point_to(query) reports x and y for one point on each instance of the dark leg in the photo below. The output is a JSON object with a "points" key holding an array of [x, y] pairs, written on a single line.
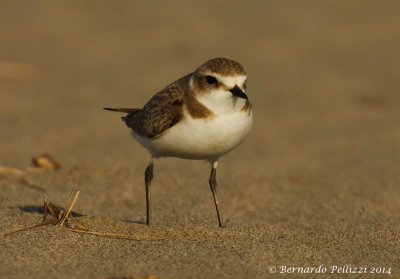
{"points": [[213, 186], [148, 176]]}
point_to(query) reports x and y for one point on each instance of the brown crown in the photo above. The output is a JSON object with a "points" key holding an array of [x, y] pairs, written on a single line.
{"points": [[222, 66]]}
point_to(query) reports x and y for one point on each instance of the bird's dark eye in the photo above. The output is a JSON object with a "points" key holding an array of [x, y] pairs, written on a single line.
{"points": [[211, 80]]}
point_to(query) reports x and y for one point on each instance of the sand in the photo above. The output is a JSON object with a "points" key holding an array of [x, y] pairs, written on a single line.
{"points": [[315, 185]]}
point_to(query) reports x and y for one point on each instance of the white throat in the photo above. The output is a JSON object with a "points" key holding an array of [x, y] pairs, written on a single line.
{"points": [[221, 102]]}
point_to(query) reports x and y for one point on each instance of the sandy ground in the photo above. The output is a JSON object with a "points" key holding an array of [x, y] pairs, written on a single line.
{"points": [[316, 183]]}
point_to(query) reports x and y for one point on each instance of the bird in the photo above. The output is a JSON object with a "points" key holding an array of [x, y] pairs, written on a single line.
{"points": [[201, 116]]}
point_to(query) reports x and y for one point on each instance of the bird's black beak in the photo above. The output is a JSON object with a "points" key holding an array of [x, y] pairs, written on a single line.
{"points": [[236, 91]]}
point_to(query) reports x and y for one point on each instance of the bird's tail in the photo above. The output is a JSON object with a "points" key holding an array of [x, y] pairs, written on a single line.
{"points": [[126, 110], [130, 111]]}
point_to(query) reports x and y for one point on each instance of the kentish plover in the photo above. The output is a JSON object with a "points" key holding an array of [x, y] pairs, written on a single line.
{"points": [[201, 116]]}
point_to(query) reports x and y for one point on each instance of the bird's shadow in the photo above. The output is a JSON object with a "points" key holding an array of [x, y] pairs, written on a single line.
{"points": [[39, 209]]}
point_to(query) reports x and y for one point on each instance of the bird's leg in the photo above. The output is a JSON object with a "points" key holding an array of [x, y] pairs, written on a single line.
{"points": [[148, 176], [213, 186]]}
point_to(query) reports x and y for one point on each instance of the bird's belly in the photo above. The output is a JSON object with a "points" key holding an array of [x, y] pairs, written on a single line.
{"points": [[200, 138]]}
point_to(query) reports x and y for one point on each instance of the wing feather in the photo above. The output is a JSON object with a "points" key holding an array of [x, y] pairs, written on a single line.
{"points": [[163, 111]]}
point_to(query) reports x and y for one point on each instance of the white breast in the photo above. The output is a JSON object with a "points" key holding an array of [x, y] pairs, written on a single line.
{"points": [[207, 138]]}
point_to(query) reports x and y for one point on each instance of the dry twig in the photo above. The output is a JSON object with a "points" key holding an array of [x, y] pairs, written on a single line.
{"points": [[66, 215], [118, 235], [44, 207], [62, 217], [52, 221]]}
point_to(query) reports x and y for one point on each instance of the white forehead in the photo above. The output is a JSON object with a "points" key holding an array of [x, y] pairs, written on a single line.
{"points": [[231, 81]]}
